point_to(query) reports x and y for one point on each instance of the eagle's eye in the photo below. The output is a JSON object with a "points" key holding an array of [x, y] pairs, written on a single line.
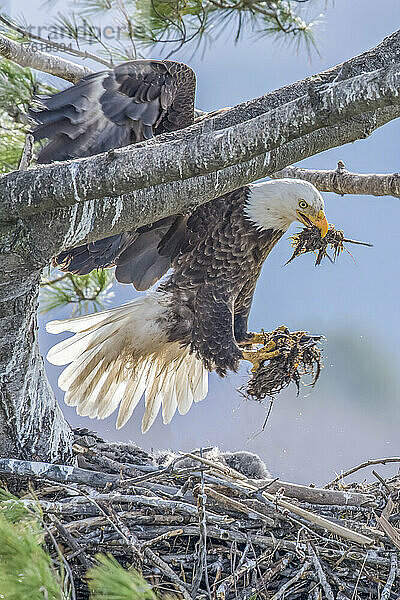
{"points": [[303, 204]]}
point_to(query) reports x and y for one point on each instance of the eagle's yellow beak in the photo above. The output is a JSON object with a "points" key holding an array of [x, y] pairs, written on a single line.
{"points": [[318, 220]]}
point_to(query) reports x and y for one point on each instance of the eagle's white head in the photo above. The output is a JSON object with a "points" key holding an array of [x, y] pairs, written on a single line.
{"points": [[276, 204]]}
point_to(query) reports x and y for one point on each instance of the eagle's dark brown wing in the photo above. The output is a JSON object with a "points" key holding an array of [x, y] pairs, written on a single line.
{"points": [[141, 257], [111, 109], [114, 108]]}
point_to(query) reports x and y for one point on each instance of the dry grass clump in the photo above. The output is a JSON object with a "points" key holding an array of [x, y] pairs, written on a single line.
{"points": [[299, 355], [330, 246]]}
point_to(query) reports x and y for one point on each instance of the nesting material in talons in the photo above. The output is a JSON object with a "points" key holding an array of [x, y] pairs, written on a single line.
{"points": [[298, 355], [310, 240]]}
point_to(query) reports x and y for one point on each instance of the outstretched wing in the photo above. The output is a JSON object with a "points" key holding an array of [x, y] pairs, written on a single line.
{"points": [[114, 108], [111, 109], [141, 257]]}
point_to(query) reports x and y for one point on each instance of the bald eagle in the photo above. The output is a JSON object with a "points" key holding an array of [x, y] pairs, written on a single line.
{"points": [[164, 343]]}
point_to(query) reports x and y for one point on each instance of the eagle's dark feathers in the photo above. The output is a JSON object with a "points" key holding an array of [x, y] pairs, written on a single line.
{"points": [[163, 343], [106, 110], [114, 108]]}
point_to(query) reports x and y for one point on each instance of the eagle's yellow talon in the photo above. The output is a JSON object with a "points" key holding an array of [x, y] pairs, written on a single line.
{"points": [[257, 357], [258, 338]]}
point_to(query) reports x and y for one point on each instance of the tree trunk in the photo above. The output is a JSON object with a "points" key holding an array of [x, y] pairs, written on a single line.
{"points": [[32, 425]]}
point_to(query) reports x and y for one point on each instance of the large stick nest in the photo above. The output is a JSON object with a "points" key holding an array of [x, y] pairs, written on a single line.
{"points": [[215, 526]]}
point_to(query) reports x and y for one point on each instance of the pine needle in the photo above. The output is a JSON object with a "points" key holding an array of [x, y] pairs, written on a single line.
{"points": [[25, 567], [109, 581]]}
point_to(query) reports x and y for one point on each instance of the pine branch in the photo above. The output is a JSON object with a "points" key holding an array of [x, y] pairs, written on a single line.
{"points": [[203, 160], [25, 56], [84, 292], [27, 35]]}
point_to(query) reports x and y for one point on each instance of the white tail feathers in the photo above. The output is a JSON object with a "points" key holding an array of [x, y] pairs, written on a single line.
{"points": [[117, 355]]}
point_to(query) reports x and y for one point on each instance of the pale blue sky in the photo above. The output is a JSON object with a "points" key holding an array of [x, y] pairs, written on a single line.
{"points": [[353, 413]]}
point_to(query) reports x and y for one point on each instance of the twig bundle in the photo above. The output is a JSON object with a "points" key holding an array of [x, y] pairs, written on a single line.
{"points": [[200, 529], [309, 240], [299, 355]]}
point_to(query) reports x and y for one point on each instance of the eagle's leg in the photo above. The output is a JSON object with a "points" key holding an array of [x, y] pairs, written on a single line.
{"points": [[256, 357], [263, 337], [258, 338]]}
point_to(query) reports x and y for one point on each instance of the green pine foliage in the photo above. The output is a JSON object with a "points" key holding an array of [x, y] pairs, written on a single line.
{"points": [[17, 84], [18, 88], [85, 293], [12, 138], [27, 570], [109, 581]]}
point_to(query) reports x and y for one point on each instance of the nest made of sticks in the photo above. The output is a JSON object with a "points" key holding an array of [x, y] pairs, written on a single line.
{"points": [[299, 355], [200, 529], [309, 240]]}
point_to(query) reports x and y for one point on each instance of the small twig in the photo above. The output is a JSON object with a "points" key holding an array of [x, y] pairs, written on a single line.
{"points": [[72, 543], [60, 47], [63, 559], [320, 572], [358, 578], [341, 181], [169, 573], [164, 536], [358, 242], [392, 533], [281, 592], [241, 569], [367, 463], [238, 506], [389, 508], [45, 282], [126, 538], [382, 481], [201, 562], [390, 580]]}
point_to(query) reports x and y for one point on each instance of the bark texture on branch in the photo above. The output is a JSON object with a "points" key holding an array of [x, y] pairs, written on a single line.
{"points": [[108, 215], [122, 171], [341, 181], [25, 56]]}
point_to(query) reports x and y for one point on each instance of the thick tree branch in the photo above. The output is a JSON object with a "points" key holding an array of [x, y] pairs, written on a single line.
{"points": [[25, 56], [384, 54], [122, 171], [99, 218], [177, 172], [341, 181]]}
